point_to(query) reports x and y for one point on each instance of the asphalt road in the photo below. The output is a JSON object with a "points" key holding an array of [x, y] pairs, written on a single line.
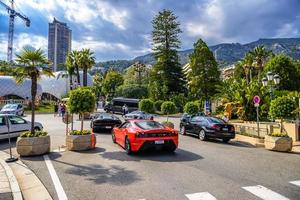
{"points": [[108, 173]]}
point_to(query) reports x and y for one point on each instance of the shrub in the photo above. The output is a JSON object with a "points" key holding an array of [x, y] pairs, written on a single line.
{"points": [[146, 105], [168, 107], [78, 132], [279, 135], [81, 100], [35, 134], [133, 91], [179, 100], [157, 105], [191, 108], [282, 108]]}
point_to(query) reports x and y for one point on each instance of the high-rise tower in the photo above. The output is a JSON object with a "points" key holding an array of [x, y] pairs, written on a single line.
{"points": [[59, 43]]}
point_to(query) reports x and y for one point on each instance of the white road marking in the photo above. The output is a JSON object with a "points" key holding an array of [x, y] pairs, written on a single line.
{"points": [[200, 196], [58, 187], [264, 193], [295, 183]]}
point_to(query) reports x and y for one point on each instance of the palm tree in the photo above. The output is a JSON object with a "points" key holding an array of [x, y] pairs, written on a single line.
{"points": [[87, 60], [72, 62], [247, 64], [260, 56], [31, 64]]}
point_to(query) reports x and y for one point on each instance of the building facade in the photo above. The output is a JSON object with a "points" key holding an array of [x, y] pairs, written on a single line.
{"points": [[59, 43]]}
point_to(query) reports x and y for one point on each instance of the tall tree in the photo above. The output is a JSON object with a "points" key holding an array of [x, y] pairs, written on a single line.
{"points": [[112, 80], [165, 35], [203, 74], [6, 68], [260, 56], [72, 62], [32, 64], [86, 62]]}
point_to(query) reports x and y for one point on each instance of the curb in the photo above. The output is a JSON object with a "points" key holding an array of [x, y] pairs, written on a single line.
{"points": [[30, 186], [15, 189]]}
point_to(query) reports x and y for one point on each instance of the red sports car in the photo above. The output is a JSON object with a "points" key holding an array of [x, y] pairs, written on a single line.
{"points": [[138, 135]]}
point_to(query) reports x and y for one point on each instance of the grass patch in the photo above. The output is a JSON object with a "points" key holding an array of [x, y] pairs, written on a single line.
{"points": [[36, 134], [43, 108]]}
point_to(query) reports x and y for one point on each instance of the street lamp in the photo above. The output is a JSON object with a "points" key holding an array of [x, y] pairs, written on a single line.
{"points": [[271, 80]]}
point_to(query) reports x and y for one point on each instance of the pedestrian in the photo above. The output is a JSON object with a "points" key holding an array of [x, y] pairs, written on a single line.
{"points": [[59, 109], [55, 109], [63, 110], [124, 110], [225, 118]]}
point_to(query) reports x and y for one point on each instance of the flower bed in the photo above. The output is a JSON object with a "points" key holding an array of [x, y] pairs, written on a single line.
{"points": [[29, 144]]}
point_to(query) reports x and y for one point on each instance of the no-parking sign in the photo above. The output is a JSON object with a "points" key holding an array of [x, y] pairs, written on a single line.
{"points": [[256, 101]]}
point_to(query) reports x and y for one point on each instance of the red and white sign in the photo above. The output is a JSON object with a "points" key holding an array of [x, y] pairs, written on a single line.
{"points": [[256, 100]]}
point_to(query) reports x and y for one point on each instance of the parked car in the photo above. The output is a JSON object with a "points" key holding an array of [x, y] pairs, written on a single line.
{"points": [[207, 127], [135, 135], [138, 115], [104, 121], [17, 125], [15, 109]]}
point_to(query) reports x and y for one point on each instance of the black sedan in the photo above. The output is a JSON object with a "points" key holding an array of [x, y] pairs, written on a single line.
{"points": [[104, 121], [207, 127]]}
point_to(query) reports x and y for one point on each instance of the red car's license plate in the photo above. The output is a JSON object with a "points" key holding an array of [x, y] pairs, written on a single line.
{"points": [[159, 142]]}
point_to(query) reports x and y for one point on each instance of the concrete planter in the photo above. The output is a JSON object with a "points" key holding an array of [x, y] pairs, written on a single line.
{"points": [[80, 142], [168, 124], [284, 144], [33, 146]]}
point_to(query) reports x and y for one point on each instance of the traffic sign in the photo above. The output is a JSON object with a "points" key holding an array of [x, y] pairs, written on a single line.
{"points": [[256, 100]]}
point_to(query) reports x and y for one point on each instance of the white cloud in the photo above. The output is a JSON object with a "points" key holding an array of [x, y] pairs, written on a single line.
{"points": [[288, 30], [21, 40], [210, 23], [117, 16], [99, 46]]}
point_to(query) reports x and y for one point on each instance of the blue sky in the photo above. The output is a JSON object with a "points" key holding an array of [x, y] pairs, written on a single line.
{"points": [[121, 29]]}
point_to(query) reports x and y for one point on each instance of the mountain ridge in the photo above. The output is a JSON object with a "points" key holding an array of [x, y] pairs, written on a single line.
{"points": [[225, 53]]}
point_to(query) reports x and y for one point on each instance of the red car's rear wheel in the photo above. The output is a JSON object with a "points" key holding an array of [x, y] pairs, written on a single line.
{"points": [[128, 146]]}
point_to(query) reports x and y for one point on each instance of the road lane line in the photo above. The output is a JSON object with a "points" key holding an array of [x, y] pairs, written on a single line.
{"points": [[200, 196], [58, 187], [295, 183], [264, 193]]}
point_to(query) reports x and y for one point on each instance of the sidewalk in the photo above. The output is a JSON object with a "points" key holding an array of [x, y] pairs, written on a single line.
{"points": [[296, 147], [9, 188], [19, 182]]}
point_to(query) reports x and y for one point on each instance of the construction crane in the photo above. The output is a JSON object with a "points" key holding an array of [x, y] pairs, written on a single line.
{"points": [[12, 13]]}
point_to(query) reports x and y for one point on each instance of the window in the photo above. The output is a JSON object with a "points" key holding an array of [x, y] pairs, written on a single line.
{"points": [[149, 125], [16, 120], [124, 125], [2, 121], [197, 119], [215, 120]]}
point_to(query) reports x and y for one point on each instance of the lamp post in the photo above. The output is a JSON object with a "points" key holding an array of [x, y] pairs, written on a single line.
{"points": [[271, 80]]}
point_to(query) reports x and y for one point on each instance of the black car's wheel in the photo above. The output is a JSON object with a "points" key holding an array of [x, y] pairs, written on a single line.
{"points": [[128, 146], [182, 130], [202, 135], [113, 137], [225, 140]]}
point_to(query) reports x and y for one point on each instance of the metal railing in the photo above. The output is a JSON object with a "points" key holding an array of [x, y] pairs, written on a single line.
{"points": [[251, 130]]}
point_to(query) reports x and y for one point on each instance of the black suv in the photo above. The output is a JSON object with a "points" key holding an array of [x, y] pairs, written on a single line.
{"points": [[206, 127]]}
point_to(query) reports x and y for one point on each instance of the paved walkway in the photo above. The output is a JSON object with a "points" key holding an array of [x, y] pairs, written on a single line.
{"points": [[5, 190]]}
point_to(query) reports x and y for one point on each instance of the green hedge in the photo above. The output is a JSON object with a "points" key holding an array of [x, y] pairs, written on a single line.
{"points": [[168, 107], [157, 105], [191, 108], [282, 108], [146, 105], [78, 132]]}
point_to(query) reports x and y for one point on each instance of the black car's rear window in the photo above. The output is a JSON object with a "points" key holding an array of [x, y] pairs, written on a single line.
{"points": [[215, 120], [149, 125], [106, 116]]}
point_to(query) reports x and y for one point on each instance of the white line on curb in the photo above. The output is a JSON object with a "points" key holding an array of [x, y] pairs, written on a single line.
{"points": [[58, 187], [295, 183], [264, 193], [200, 196], [14, 186]]}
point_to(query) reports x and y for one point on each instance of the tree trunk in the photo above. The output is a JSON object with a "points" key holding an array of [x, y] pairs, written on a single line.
{"points": [[71, 81], [33, 95], [84, 76], [82, 117], [78, 75]]}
